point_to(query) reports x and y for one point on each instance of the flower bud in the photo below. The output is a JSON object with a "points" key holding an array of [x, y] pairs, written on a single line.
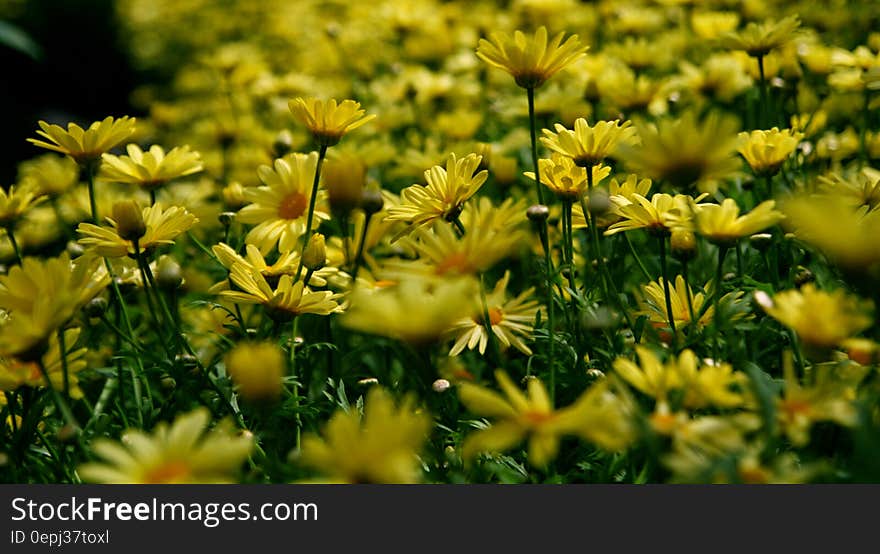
{"points": [[505, 170], [257, 369], [484, 150], [538, 213], [129, 220], [315, 255], [599, 202], [440, 385], [368, 382], [344, 178], [683, 244], [96, 307], [233, 196], [372, 201], [169, 275], [75, 249]]}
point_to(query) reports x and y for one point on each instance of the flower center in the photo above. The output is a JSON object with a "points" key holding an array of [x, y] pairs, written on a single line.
{"points": [[496, 316], [170, 472], [457, 262], [535, 418], [292, 206]]}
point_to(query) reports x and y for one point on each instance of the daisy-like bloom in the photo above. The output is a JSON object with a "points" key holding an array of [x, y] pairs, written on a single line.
{"points": [[15, 373], [598, 416], [161, 226], [531, 60], [280, 208], [416, 310], [284, 301], [328, 121], [722, 224], [382, 446], [445, 194], [40, 296], [85, 146], [766, 151], [863, 189], [15, 202], [151, 169], [285, 264], [710, 384], [49, 174], [758, 39], [829, 223], [711, 25], [587, 146], [661, 215], [619, 192], [565, 178], [825, 399], [185, 452], [685, 152], [821, 319], [256, 369], [443, 253], [650, 376], [512, 321], [655, 304]]}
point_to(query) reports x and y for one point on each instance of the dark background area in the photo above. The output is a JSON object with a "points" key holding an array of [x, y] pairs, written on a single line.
{"points": [[82, 74]]}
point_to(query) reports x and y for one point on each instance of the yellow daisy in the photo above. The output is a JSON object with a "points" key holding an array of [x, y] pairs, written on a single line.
{"points": [[381, 446], [512, 321], [285, 264], [565, 178], [280, 208], [184, 452], [14, 203], [758, 39], [586, 145], [85, 145], [662, 214], [531, 60], [15, 373], [766, 151], [151, 169], [328, 121], [445, 194], [161, 226], [722, 224]]}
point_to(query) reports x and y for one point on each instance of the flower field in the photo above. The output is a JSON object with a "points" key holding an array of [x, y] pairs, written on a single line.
{"points": [[413, 241]]}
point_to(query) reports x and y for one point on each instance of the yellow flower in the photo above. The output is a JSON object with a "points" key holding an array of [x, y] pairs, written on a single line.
{"points": [[279, 209], [85, 145], [256, 369], [15, 373], [758, 39], [662, 214], [710, 383], [619, 193], [42, 295], [445, 194], [417, 310], [14, 203], [286, 264], [328, 121], [650, 376], [655, 304], [184, 452], [587, 146], [863, 189], [829, 223], [49, 174], [711, 25], [162, 227], [685, 152], [765, 151], [530, 60], [151, 169], [821, 319], [512, 320], [379, 447], [284, 301], [561, 175], [722, 224], [826, 399], [597, 415]]}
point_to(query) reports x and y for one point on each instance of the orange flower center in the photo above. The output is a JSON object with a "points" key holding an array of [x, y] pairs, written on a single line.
{"points": [[457, 262], [292, 206], [536, 418], [170, 472], [795, 407], [496, 316]]}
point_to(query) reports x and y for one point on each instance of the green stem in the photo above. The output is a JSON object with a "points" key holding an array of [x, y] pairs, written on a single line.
{"points": [[62, 350], [152, 197], [459, 228], [293, 373], [530, 91], [487, 322], [359, 257], [763, 91], [62, 406], [664, 271], [635, 255], [322, 152], [14, 242], [716, 298], [863, 132], [690, 302], [91, 168]]}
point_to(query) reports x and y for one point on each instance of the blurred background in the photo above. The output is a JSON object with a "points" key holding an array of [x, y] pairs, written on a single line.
{"points": [[62, 60]]}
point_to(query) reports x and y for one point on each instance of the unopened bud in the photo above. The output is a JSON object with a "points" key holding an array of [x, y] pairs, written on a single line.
{"points": [[505, 169], [75, 249], [372, 201], [440, 385], [282, 144], [129, 218], [484, 150], [803, 276], [169, 275], [344, 178], [683, 244], [599, 202], [315, 255], [538, 213], [233, 196], [96, 307], [368, 382]]}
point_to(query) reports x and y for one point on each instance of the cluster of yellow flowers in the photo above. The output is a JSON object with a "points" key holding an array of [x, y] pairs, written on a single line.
{"points": [[660, 216]]}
